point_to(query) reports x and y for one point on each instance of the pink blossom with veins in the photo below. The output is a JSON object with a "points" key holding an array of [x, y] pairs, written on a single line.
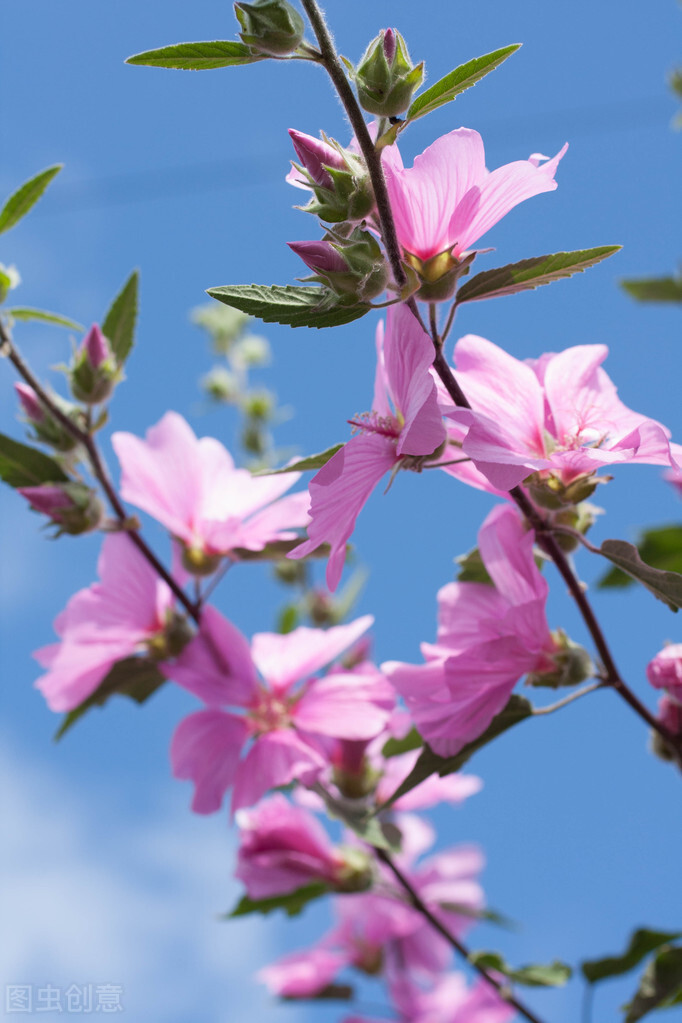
{"points": [[488, 637], [285, 713], [379, 926], [194, 489], [449, 1000], [448, 199], [665, 670], [558, 415], [403, 429], [283, 847], [110, 620]]}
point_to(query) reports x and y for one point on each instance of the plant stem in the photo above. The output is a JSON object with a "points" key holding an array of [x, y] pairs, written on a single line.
{"points": [[87, 441], [569, 699], [419, 904], [332, 64]]}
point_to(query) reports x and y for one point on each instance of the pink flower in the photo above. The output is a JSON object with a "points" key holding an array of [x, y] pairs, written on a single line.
{"points": [[670, 714], [112, 619], [194, 489], [558, 416], [284, 713], [448, 199], [488, 637], [449, 1000], [665, 671], [283, 847], [380, 927], [388, 438]]}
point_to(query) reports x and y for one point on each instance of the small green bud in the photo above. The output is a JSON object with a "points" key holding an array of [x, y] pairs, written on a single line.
{"points": [[251, 351], [356, 874], [175, 636], [385, 78], [259, 405], [9, 279], [254, 439], [73, 508], [272, 27], [572, 664], [94, 372], [579, 517], [549, 491], [221, 385], [289, 572]]}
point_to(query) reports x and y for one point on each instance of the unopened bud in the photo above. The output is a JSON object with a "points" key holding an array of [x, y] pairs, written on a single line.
{"points": [[72, 507], [579, 517], [348, 266], [291, 573], [221, 385], [338, 179], [385, 78], [356, 873], [549, 491], [568, 665], [30, 404], [45, 427], [272, 27], [320, 608], [670, 716], [316, 157], [9, 279], [94, 371], [172, 640], [259, 405]]}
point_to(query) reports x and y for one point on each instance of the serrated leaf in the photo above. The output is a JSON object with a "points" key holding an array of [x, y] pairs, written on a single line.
{"points": [[24, 466], [654, 289], [133, 676], [25, 313], [277, 550], [294, 306], [394, 747], [18, 205], [472, 569], [516, 710], [197, 56], [553, 974], [457, 81], [119, 323], [660, 548], [665, 586], [306, 464], [642, 942], [531, 273], [660, 986], [292, 902]]}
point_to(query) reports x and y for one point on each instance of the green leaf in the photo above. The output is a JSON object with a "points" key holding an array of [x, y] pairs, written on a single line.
{"points": [[336, 992], [666, 586], [24, 313], [288, 619], [305, 464], [197, 56], [24, 466], [472, 569], [18, 205], [659, 548], [134, 677], [654, 289], [642, 942], [531, 273], [292, 903], [277, 550], [394, 747], [119, 323], [553, 974], [295, 306], [457, 81], [660, 987], [516, 710], [381, 834]]}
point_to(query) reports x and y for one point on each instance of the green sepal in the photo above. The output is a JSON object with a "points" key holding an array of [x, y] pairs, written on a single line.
{"points": [[531, 273], [24, 466], [135, 677], [472, 569], [394, 747], [292, 902], [294, 306], [18, 205], [463, 77], [197, 56]]}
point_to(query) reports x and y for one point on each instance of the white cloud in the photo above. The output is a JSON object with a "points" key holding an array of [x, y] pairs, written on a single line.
{"points": [[90, 898]]}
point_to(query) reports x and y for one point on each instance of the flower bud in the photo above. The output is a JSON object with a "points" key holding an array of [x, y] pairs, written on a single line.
{"points": [[579, 517], [259, 405], [221, 385], [385, 78], [316, 157], [670, 716], [337, 177], [45, 427], [94, 371], [568, 665], [290, 573], [72, 507], [665, 671], [172, 640], [549, 490], [272, 27], [9, 279], [349, 266], [352, 773]]}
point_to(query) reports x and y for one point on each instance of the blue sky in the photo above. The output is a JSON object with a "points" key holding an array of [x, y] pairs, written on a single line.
{"points": [[181, 174]]}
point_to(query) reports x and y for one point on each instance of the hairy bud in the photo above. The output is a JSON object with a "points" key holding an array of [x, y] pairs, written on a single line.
{"points": [[94, 371], [272, 27], [385, 78], [72, 507]]}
